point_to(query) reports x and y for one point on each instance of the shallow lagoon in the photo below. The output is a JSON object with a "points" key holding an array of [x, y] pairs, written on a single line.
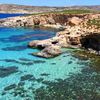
{"points": [[26, 77]]}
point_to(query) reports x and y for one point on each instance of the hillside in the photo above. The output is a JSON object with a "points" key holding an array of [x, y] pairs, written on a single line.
{"points": [[12, 8]]}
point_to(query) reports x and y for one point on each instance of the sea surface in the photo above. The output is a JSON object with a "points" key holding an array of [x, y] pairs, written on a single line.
{"points": [[26, 77], [5, 15]]}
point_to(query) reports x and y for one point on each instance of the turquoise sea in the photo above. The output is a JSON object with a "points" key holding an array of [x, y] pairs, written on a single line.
{"points": [[26, 77]]}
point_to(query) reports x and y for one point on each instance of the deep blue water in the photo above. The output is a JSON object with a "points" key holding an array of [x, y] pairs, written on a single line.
{"points": [[9, 15], [26, 77]]}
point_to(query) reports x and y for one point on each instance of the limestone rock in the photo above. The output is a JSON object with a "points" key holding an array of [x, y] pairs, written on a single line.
{"points": [[75, 21], [74, 40], [91, 41], [43, 20], [40, 44], [50, 51], [50, 20], [36, 21]]}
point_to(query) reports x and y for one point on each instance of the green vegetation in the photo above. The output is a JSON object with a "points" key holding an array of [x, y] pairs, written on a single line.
{"points": [[78, 11], [94, 59], [72, 11], [94, 22]]}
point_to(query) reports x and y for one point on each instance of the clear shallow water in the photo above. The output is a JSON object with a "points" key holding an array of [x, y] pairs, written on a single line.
{"points": [[26, 77]]}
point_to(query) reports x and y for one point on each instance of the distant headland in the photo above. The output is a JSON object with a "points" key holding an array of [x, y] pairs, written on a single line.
{"points": [[14, 8]]}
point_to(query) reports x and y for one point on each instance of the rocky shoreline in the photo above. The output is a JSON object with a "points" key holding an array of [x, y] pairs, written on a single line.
{"points": [[75, 32]]}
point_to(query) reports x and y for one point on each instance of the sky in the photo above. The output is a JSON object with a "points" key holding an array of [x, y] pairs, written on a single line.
{"points": [[51, 2]]}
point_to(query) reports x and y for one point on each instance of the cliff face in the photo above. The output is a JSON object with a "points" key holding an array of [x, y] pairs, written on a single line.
{"points": [[47, 19], [91, 41], [34, 20]]}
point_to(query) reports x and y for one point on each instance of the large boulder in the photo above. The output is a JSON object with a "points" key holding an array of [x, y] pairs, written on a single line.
{"points": [[63, 41], [33, 43], [75, 21], [50, 51], [40, 44]]}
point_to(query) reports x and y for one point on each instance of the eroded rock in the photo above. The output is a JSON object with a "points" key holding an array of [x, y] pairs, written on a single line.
{"points": [[50, 51], [75, 21], [92, 42]]}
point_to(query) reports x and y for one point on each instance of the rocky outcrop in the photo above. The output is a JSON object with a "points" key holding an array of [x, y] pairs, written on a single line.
{"points": [[50, 20], [91, 42], [49, 51], [74, 40], [17, 21], [50, 47], [40, 44], [70, 37], [75, 21], [73, 26]]}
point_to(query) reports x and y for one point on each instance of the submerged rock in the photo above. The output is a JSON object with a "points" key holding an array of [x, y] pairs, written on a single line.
{"points": [[26, 77], [15, 48], [7, 71], [39, 61], [45, 74], [12, 86]]}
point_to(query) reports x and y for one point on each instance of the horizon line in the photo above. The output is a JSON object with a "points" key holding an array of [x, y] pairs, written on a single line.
{"points": [[47, 5]]}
